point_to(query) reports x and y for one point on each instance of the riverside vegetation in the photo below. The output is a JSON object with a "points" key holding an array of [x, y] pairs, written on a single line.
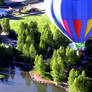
{"points": [[36, 46]]}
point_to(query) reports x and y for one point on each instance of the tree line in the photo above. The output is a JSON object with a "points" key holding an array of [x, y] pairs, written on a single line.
{"points": [[36, 47], [32, 42]]}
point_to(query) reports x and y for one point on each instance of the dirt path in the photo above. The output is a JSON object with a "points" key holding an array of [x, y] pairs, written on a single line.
{"points": [[40, 79]]}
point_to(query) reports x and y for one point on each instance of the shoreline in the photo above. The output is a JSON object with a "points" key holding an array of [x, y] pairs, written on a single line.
{"points": [[36, 78]]}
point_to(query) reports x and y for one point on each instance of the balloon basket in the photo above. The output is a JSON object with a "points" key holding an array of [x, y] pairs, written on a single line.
{"points": [[79, 47]]}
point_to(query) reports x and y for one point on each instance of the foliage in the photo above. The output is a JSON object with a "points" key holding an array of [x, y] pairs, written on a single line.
{"points": [[6, 54], [32, 51], [61, 52], [71, 57], [57, 67], [39, 65], [78, 82], [28, 39], [59, 38], [42, 46], [5, 25], [21, 45], [47, 35], [72, 75], [34, 33], [26, 50], [46, 41]]}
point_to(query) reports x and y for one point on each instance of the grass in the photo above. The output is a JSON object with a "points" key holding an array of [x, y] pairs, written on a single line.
{"points": [[40, 19]]}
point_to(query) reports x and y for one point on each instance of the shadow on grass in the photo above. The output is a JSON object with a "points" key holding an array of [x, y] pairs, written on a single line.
{"points": [[16, 18]]}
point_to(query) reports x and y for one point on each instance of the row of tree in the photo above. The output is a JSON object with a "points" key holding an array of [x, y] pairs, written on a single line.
{"points": [[79, 82], [31, 41], [28, 39], [50, 42], [55, 69]]}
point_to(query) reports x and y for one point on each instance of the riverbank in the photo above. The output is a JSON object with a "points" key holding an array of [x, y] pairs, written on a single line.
{"points": [[37, 78]]}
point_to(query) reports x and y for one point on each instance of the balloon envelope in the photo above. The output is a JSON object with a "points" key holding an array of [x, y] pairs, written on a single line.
{"points": [[72, 17]]}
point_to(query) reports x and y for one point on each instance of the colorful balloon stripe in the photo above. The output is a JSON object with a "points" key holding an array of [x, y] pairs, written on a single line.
{"points": [[57, 23], [77, 25], [89, 26], [66, 27], [72, 17]]}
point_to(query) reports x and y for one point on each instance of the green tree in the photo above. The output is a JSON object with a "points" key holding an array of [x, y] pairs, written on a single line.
{"points": [[72, 75], [29, 40], [5, 25], [47, 35], [61, 52], [71, 57], [81, 84], [26, 50], [20, 42], [32, 51], [43, 47], [57, 67], [34, 33], [59, 38], [40, 66], [22, 36], [53, 58], [78, 82]]}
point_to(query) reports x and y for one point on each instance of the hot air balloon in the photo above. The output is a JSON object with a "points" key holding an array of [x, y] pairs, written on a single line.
{"points": [[72, 17]]}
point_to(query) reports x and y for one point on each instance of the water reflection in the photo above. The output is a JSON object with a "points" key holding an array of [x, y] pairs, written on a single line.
{"points": [[17, 79], [41, 87]]}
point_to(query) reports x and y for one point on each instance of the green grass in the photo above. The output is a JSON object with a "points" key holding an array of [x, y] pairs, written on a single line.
{"points": [[40, 19]]}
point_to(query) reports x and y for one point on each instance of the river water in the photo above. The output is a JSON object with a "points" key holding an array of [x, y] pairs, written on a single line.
{"points": [[17, 79]]}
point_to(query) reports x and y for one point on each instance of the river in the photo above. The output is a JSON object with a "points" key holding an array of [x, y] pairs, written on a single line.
{"points": [[17, 79]]}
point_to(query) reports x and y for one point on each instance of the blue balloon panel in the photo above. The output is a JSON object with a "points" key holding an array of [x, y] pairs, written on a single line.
{"points": [[72, 17]]}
